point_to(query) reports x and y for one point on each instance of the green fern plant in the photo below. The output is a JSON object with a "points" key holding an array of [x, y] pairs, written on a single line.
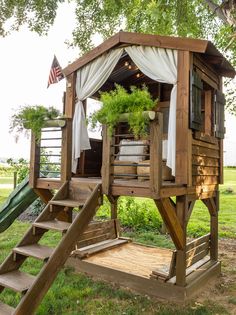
{"points": [[120, 101], [32, 117]]}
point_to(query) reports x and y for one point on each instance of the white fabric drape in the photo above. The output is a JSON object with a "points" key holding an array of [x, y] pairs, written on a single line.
{"points": [[89, 79], [160, 65]]}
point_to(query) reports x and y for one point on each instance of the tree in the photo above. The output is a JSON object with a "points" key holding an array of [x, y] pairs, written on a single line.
{"points": [[208, 19]]}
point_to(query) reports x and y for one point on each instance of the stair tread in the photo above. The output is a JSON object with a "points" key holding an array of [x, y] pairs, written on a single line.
{"points": [[35, 250], [6, 309], [68, 203], [53, 225], [16, 280]]}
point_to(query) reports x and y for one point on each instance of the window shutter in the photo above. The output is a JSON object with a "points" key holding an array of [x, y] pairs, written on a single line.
{"points": [[219, 114], [195, 101]]}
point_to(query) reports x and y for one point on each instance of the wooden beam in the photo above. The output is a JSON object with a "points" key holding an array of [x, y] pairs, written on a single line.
{"points": [[168, 214], [66, 151], [171, 42], [214, 231], [139, 284], [190, 210], [211, 206], [181, 212], [45, 194], [108, 158], [92, 54], [70, 96], [182, 118], [156, 131], [128, 38], [190, 159], [34, 162], [113, 205]]}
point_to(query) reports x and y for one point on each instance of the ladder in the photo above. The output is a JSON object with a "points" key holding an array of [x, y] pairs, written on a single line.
{"points": [[33, 288]]}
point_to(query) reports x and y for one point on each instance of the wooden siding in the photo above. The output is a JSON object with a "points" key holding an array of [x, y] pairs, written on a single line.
{"points": [[205, 163]]}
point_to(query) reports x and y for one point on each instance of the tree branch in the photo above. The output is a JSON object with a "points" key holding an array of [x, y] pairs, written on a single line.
{"points": [[215, 8]]}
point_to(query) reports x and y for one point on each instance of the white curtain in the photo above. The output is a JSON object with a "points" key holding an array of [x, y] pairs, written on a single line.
{"points": [[89, 79], [160, 65]]}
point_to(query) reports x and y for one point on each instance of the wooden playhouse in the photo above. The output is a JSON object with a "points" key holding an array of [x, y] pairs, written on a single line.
{"points": [[183, 157]]}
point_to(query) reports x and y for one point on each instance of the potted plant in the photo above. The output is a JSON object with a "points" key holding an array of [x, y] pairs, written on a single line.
{"points": [[34, 118], [120, 105]]}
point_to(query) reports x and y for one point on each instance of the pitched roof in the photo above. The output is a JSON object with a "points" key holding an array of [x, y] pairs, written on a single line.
{"points": [[126, 38]]}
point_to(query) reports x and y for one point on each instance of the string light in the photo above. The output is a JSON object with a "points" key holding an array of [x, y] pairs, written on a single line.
{"points": [[126, 63], [138, 75]]}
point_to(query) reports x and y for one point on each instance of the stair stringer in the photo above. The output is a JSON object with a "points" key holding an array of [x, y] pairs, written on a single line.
{"points": [[48, 273], [10, 264]]}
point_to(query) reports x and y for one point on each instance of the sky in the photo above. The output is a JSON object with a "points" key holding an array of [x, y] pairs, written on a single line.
{"points": [[25, 61]]}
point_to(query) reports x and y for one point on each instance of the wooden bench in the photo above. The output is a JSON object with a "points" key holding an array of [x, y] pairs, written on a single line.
{"points": [[97, 237], [196, 255]]}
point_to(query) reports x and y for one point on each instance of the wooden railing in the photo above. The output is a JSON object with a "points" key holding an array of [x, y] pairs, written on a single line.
{"points": [[50, 158], [111, 153]]}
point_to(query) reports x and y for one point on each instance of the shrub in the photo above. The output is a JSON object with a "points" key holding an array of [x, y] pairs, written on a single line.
{"points": [[133, 213], [21, 167]]}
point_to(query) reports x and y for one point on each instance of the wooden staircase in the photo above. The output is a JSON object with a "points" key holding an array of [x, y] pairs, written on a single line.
{"points": [[33, 288]]}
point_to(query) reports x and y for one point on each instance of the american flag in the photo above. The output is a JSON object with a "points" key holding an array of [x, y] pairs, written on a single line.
{"points": [[55, 74]]}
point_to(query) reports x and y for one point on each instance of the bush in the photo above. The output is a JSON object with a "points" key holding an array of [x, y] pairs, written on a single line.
{"points": [[133, 213], [21, 167]]}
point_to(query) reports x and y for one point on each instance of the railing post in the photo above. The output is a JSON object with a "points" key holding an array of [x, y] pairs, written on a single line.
{"points": [[107, 161], [66, 151], [34, 162], [156, 132]]}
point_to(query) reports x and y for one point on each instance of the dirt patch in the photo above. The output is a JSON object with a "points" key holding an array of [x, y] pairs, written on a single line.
{"points": [[223, 290]]}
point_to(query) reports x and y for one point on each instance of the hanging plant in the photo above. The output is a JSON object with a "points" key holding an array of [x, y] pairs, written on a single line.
{"points": [[32, 117], [118, 102]]}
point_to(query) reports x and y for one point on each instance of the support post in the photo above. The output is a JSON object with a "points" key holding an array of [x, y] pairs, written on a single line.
{"points": [[34, 162], [182, 119], [156, 132], [108, 158], [181, 211], [167, 211], [114, 209], [66, 151], [214, 230]]}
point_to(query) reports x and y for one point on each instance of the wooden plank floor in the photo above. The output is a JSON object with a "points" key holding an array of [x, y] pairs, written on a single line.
{"points": [[133, 258]]}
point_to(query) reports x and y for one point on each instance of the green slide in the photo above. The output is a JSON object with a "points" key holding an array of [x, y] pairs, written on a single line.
{"points": [[17, 202]]}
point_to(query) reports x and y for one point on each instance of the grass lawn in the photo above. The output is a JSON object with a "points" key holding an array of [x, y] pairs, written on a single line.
{"points": [[6, 180], [77, 294]]}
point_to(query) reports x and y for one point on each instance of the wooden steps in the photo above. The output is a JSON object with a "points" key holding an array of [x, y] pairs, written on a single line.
{"points": [[17, 281], [68, 203], [37, 251], [34, 288], [55, 225], [6, 309]]}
